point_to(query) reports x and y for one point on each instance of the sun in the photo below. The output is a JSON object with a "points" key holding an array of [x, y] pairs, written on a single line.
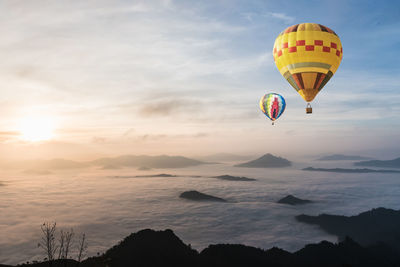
{"points": [[36, 129]]}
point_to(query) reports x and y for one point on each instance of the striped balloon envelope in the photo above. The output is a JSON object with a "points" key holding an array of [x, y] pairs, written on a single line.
{"points": [[272, 105], [307, 55]]}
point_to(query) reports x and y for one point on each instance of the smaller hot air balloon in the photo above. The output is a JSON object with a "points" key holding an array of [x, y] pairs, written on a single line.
{"points": [[272, 105]]}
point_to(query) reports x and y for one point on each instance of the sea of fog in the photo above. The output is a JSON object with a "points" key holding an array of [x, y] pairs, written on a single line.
{"points": [[110, 204]]}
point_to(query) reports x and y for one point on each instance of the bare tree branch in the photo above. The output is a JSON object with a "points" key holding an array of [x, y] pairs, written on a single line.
{"points": [[61, 241], [68, 242], [82, 247], [48, 241]]}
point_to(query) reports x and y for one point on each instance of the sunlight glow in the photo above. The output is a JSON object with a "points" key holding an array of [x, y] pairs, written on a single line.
{"points": [[36, 129]]}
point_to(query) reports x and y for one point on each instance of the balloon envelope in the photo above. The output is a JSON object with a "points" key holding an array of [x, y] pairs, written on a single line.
{"points": [[272, 105], [307, 55]]}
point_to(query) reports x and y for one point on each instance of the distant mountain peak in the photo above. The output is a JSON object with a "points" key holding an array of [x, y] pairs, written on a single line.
{"points": [[266, 161]]}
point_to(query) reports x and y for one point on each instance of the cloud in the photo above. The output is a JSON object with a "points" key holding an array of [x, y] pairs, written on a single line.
{"points": [[99, 140], [154, 137], [282, 16], [6, 136], [168, 107], [248, 16], [128, 132], [118, 10], [8, 133]]}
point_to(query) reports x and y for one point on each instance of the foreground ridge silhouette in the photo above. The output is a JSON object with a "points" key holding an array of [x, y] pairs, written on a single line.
{"points": [[163, 248], [367, 228]]}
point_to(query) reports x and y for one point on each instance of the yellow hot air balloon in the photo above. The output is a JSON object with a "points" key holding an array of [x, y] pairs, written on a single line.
{"points": [[307, 55]]}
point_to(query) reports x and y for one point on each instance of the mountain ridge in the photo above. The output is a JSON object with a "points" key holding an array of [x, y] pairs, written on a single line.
{"points": [[394, 163], [153, 248], [342, 170], [342, 157], [160, 161], [366, 228]]}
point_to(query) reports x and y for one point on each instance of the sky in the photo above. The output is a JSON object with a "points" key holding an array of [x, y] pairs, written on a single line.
{"points": [[185, 77]]}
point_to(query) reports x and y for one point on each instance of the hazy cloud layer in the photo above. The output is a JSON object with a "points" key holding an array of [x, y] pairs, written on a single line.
{"points": [[251, 216], [166, 108]]}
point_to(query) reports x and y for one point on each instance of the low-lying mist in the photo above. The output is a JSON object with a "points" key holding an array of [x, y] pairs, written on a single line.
{"points": [[110, 204]]}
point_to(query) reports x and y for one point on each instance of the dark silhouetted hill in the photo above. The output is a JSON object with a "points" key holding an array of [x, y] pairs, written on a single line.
{"points": [[233, 255], [149, 248], [198, 196], [342, 157], [341, 170], [162, 161], [346, 253], [394, 163], [233, 178], [292, 200], [367, 228], [266, 161]]}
